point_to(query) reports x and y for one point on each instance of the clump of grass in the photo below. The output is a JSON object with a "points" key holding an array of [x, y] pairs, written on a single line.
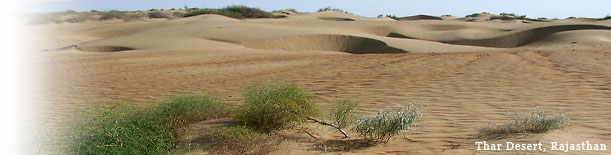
{"points": [[240, 140], [270, 107], [388, 122], [133, 130], [536, 122], [343, 114], [234, 11]]}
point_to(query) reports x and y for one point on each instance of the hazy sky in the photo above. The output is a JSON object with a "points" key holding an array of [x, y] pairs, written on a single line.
{"points": [[370, 8]]}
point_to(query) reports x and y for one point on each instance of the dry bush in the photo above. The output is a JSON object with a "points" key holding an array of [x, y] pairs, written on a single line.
{"points": [[111, 15], [536, 122], [389, 122], [158, 14]]}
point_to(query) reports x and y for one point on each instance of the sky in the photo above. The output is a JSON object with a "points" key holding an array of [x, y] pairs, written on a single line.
{"points": [[368, 8]]}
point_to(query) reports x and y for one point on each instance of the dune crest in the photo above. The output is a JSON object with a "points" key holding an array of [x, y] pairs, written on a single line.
{"points": [[103, 48], [510, 39], [325, 42]]}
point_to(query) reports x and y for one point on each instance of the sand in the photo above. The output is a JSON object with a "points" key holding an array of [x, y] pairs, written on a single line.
{"points": [[469, 71]]}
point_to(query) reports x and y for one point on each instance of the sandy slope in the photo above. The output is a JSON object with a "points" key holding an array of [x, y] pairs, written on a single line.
{"points": [[469, 73]]}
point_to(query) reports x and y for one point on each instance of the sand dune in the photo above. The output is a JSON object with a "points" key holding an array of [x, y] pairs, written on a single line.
{"points": [[341, 43], [420, 17], [469, 71], [331, 34], [507, 39]]}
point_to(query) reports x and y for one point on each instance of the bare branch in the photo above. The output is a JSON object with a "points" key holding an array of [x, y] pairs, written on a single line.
{"points": [[328, 124]]}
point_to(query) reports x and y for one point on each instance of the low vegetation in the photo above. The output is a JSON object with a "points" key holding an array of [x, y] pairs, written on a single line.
{"points": [[333, 9], [291, 10], [158, 14], [388, 122], [389, 16], [71, 16], [513, 15], [240, 140], [234, 11], [132, 130], [536, 122], [343, 113], [267, 108], [270, 107]]}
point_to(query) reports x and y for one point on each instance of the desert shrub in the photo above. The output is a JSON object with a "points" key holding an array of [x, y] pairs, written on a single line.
{"points": [[234, 11], [511, 15], [111, 15], [388, 122], [343, 113], [287, 10], [606, 17], [158, 14], [132, 130], [333, 9], [536, 122], [240, 140], [274, 106], [473, 15], [69, 11], [178, 14], [77, 19]]}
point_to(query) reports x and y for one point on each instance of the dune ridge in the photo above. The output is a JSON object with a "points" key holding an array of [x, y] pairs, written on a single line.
{"points": [[325, 42], [324, 31], [513, 38], [103, 48]]}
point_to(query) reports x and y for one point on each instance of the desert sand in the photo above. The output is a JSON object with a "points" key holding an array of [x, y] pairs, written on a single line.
{"points": [[469, 71]]}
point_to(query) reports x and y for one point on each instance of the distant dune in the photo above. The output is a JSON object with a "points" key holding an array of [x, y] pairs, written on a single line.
{"points": [[325, 31]]}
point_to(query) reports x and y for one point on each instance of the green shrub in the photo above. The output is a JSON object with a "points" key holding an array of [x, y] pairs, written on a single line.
{"points": [[343, 114], [271, 107], [388, 122], [536, 122], [132, 130], [240, 140], [234, 11]]}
